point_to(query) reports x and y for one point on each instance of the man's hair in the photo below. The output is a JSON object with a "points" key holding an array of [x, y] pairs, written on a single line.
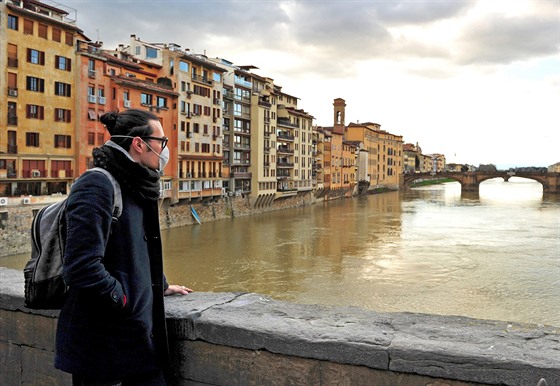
{"points": [[131, 122]]}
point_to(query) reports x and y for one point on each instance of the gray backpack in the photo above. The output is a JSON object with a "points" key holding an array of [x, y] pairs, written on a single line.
{"points": [[44, 286]]}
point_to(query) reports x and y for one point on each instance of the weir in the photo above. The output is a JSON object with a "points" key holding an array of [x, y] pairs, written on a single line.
{"points": [[250, 339]]}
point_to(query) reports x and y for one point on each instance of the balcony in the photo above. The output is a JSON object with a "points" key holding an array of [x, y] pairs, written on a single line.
{"points": [[35, 173], [240, 175], [285, 164], [62, 173], [264, 103], [12, 120], [242, 82], [286, 122], [12, 149], [13, 92], [92, 99], [241, 146], [285, 150], [285, 136], [91, 74], [203, 80]]}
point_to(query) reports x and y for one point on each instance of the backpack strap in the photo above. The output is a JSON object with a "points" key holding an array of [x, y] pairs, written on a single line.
{"points": [[118, 203]]}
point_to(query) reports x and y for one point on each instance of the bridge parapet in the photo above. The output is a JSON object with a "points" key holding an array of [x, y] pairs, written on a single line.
{"points": [[470, 181]]}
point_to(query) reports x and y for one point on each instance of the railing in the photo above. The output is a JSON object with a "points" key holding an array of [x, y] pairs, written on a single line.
{"points": [[285, 136], [12, 120], [201, 79], [241, 174]]}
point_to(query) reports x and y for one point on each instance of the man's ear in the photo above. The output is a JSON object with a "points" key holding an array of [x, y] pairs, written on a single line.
{"points": [[137, 144]]}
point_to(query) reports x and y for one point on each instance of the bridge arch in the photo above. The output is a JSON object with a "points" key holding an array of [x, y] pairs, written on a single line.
{"points": [[470, 181]]}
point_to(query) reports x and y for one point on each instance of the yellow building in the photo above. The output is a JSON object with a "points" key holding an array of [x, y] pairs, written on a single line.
{"points": [[385, 150], [37, 98], [554, 168]]}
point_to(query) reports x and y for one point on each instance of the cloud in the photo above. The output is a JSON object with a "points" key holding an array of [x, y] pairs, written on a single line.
{"points": [[415, 12], [500, 39]]}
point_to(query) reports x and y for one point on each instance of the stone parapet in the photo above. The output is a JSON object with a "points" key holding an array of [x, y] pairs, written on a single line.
{"points": [[250, 339]]}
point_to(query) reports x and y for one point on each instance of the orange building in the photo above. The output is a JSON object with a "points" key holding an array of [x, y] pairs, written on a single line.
{"points": [[38, 121]]}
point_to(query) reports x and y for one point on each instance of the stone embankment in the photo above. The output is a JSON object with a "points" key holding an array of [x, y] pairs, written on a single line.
{"points": [[250, 339], [16, 218]]}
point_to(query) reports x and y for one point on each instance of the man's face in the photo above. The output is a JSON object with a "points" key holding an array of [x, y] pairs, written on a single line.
{"points": [[150, 158]]}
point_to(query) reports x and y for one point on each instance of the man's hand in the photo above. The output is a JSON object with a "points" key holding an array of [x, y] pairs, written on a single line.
{"points": [[177, 289]]}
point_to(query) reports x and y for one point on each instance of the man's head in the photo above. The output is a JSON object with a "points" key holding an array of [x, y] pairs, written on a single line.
{"points": [[140, 133]]}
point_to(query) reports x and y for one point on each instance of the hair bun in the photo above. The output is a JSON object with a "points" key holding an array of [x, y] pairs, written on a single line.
{"points": [[109, 120]]}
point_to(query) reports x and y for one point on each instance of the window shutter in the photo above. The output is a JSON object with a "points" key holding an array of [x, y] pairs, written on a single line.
{"points": [[69, 67]]}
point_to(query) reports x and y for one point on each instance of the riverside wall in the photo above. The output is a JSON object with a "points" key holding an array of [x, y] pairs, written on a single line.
{"points": [[251, 339], [16, 217]]}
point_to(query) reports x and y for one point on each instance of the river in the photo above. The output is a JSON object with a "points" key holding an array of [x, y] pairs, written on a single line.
{"points": [[491, 255]]}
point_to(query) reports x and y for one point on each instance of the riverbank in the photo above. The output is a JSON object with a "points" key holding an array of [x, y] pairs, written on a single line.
{"points": [[431, 182]]}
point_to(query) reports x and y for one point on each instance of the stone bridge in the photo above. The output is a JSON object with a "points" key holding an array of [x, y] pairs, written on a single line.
{"points": [[470, 181]]}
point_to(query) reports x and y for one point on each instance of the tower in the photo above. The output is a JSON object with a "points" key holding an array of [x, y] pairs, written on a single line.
{"points": [[339, 112]]}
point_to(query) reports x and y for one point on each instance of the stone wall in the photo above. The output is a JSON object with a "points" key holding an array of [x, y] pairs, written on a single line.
{"points": [[250, 339]]}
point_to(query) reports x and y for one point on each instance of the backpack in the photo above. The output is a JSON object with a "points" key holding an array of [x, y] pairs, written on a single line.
{"points": [[44, 286]]}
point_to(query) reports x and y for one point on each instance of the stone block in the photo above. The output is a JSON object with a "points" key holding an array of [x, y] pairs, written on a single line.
{"points": [[221, 365], [10, 363], [32, 330], [38, 369]]}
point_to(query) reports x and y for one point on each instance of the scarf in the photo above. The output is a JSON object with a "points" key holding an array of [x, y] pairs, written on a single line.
{"points": [[140, 181]]}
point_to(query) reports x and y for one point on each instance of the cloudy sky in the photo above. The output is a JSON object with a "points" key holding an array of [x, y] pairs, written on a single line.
{"points": [[476, 80]]}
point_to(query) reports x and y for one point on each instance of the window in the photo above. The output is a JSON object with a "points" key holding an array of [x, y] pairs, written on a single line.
{"points": [[151, 53], [183, 66], [43, 28], [91, 139], [62, 115], [62, 89], [92, 115], [32, 139], [146, 99], [69, 38], [13, 22], [217, 77], [35, 112], [35, 56], [28, 27], [100, 139], [35, 84], [126, 95], [101, 96], [161, 102], [62, 63], [62, 141], [56, 34], [91, 68]]}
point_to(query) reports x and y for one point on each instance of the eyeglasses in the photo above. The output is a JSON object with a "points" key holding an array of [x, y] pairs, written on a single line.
{"points": [[163, 140]]}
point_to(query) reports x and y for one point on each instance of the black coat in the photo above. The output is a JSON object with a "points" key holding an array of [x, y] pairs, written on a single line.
{"points": [[98, 333]]}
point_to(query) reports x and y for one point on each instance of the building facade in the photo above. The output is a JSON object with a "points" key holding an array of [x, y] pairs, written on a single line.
{"points": [[38, 121]]}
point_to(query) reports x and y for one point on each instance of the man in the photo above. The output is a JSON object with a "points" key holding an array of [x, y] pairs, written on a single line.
{"points": [[111, 328]]}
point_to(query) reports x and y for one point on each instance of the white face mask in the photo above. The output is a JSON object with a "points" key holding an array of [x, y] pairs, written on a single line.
{"points": [[163, 157]]}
